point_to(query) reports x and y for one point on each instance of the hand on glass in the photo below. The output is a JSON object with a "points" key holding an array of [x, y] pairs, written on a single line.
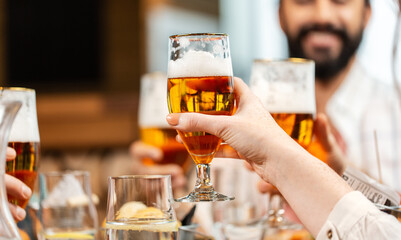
{"points": [[334, 156], [310, 187], [139, 150], [17, 189]]}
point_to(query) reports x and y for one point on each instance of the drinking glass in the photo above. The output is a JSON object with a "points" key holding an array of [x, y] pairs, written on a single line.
{"points": [[243, 218], [191, 232], [140, 207], [66, 208], [152, 121], [24, 138], [287, 90], [200, 80]]}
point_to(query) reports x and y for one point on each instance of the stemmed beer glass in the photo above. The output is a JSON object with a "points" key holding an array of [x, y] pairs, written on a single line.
{"points": [[287, 89], [200, 80]]}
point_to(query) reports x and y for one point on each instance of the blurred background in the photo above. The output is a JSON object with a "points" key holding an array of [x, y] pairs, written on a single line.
{"points": [[85, 60]]}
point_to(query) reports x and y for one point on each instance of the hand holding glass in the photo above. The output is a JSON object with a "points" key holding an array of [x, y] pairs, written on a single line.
{"points": [[287, 90], [200, 80], [24, 138]]}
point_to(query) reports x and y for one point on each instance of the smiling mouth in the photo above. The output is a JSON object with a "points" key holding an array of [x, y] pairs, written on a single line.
{"points": [[322, 39]]}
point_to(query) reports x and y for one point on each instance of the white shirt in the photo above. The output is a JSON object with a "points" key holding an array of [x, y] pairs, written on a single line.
{"points": [[355, 217], [360, 106]]}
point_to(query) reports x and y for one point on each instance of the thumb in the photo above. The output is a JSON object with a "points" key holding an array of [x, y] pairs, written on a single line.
{"points": [[194, 122]]}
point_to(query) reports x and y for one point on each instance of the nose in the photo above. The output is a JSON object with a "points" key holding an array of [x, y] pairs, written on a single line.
{"points": [[323, 12]]}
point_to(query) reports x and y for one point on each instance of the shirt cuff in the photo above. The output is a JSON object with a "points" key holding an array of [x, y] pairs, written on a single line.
{"points": [[346, 213]]}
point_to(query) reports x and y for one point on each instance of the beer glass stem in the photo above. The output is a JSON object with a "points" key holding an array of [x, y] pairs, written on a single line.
{"points": [[203, 183]]}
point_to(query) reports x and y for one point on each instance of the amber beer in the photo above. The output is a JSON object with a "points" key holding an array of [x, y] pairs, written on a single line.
{"points": [[297, 125], [24, 166], [165, 138], [208, 95], [24, 138]]}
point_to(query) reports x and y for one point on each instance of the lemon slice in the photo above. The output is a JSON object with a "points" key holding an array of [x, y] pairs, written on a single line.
{"points": [[149, 212], [129, 209], [69, 236]]}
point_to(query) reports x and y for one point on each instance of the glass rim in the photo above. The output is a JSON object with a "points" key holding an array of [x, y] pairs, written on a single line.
{"points": [[19, 89], [175, 36], [290, 60], [140, 177], [66, 172]]}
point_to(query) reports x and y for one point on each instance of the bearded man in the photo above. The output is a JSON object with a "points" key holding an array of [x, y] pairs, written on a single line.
{"points": [[358, 107]]}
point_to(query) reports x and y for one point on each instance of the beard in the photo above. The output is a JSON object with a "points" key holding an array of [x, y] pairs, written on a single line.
{"points": [[326, 69]]}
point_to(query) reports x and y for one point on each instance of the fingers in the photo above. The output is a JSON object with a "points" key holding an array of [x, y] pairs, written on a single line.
{"points": [[177, 173], [17, 212], [10, 154], [141, 150], [16, 188], [193, 122], [178, 138], [322, 131], [335, 159], [240, 88]]}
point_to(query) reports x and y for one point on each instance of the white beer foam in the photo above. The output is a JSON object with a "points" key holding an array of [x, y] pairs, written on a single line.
{"points": [[25, 126], [199, 64], [283, 87], [68, 187], [153, 107]]}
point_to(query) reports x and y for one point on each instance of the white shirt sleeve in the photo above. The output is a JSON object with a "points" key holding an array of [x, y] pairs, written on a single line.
{"points": [[355, 217]]}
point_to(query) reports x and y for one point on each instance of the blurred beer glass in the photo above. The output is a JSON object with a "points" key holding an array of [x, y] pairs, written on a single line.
{"points": [[140, 207], [152, 121], [67, 209], [245, 217], [24, 138], [287, 90]]}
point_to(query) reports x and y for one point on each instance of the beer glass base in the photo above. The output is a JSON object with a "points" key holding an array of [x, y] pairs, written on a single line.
{"points": [[204, 197]]}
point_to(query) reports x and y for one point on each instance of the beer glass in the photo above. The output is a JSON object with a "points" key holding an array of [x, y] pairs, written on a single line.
{"points": [[200, 80], [287, 90], [24, 138], [140, 207], [152, 121], [66, 209]]}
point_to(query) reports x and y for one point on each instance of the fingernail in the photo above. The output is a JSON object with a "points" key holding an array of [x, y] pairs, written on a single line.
{"points": [[11, 152], [173, 119], [20, 213], [26, 192]]}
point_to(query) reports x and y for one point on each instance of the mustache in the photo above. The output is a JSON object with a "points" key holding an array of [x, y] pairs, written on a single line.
{"points": [[328, 28]]}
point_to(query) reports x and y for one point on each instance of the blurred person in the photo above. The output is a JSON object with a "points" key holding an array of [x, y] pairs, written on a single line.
{"points": [[330, 32], [139, 151], [16, 188], [324, 203]]}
